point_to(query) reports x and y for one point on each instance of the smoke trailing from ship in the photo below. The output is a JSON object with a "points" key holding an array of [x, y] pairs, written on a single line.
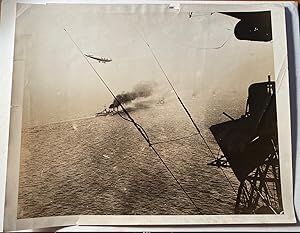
{"points": [[141, 90]]}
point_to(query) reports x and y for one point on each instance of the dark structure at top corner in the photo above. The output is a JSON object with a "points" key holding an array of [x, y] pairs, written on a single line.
{"points": [[253, 26]]}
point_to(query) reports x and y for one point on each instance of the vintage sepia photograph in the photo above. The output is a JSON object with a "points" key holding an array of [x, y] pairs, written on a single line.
{"points": [[146, 110]]}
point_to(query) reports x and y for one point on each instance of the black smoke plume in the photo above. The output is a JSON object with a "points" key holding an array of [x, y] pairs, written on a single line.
{"points": [[141, 90]]}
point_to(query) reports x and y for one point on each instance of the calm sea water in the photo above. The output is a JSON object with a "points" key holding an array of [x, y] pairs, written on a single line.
{"points": [[103, 166]]}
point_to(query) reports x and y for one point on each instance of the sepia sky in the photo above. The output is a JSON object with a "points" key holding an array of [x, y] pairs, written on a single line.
{"points": [[200, 56]]}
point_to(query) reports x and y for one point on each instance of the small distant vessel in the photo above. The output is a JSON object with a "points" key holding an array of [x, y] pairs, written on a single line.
{"points": [[161, 101], [101, 114], [105, 112], [99, 59]]}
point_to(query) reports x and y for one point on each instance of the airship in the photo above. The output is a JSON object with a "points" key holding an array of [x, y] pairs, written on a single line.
{"points": [[99, 59]]}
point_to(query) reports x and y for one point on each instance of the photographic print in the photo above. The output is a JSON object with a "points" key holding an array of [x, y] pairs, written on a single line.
{"points": [[146, 110]]}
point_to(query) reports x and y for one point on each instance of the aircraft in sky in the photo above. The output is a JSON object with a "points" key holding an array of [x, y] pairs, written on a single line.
{"points": [[99, 59]]}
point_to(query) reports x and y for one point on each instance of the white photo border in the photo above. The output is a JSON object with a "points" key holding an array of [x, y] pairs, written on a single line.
{"points": [[11, 222]]}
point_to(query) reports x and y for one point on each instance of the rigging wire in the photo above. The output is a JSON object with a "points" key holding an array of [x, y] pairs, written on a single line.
{"points": [[178, 97], [161, 142], [139, 127], [186, 110]]}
